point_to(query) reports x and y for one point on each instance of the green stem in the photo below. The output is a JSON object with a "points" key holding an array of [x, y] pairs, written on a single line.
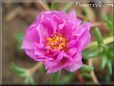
{"points": [[105, 41], [55, 79]]}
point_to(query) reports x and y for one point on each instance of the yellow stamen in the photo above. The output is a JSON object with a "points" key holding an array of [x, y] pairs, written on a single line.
{"points": [[56, 42]]}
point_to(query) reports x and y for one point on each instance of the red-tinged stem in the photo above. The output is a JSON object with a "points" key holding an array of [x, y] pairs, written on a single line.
{"points": [[94, 78], [80, 77], [33, 69]]}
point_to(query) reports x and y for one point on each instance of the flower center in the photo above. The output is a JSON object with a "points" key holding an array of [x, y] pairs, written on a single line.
{"points": [[56, 42]]}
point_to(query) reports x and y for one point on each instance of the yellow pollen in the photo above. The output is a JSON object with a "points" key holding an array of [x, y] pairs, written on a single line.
{"points": [[56, 42]]}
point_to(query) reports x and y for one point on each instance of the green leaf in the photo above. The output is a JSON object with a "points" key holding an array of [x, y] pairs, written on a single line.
{"points": [[110, 67], [19, 37], [98, 36], [104, 62], [56, 78], [87, 75], [67, 78], [110, 52], [91, 53], [104, 46], [86, 68], [108, 20], [29, 80], [95, 54], [21, 72], [68, 6]]}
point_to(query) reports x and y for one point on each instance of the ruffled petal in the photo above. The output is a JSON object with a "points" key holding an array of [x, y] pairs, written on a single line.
{"points": [[82, 37], [72, 51], [30, 53], [74, 67], [43, 33], [65, 29], [76, 63], [73, 19], [30, 37], [83, 28], [60, 55], [58, 66], [39, 49]]}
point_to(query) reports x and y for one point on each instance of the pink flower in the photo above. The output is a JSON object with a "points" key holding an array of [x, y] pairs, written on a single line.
{"points": [[57, 40]]}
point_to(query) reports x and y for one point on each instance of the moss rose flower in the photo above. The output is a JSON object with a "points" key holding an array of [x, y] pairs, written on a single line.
{"points": [[57, 40]]}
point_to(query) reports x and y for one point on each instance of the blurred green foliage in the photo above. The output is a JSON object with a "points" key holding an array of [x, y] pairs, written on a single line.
{"points": [[22, 73], [103, 51], [109, 20], [68, 6], [86, 68], [19, 37]]}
